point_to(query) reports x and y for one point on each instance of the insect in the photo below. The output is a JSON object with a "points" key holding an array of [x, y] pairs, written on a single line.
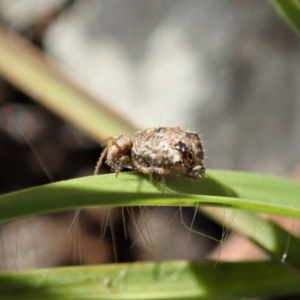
{"points": [[161, 150]]}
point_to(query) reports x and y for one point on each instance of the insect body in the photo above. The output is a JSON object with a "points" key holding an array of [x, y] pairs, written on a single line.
{"points": [[161, 150]]}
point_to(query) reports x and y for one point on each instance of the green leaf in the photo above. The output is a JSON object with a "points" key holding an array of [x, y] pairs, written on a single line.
{"points": [[290, 11], [157, 280], [233, 189], [272, 238], [220, 188]]}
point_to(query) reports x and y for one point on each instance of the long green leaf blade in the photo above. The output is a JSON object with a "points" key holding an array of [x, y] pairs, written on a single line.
{"points": [[166, 280], [290, 11], [268, 235], [233, 189], [24, 66]]}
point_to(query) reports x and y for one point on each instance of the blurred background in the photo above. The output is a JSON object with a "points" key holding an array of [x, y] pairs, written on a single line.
{"points": [[227, 69]]}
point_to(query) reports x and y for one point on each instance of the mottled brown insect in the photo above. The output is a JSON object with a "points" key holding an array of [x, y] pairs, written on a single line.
{"points": [[161, 150]]}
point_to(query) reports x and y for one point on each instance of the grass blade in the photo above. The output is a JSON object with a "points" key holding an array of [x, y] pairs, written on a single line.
{"points": [[259, 193], [234, 189], [290, 11], [281, 244], [24, 66], [160, 280]]}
